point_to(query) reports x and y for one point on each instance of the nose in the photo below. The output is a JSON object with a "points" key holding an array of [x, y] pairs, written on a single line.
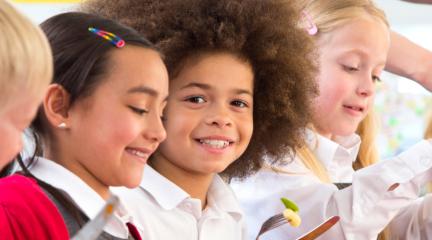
{"points": [[154, 130], [366, 87], [219, 116]]}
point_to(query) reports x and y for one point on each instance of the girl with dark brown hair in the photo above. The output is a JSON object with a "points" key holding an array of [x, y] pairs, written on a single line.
{"points": [[100, 119], [241, 89]]}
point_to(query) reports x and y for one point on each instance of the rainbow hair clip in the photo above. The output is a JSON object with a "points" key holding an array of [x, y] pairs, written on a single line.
{"points": [[107, 35], [311, 30]]}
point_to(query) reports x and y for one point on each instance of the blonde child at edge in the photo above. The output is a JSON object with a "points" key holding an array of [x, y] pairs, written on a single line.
{"points": [[26, 67], [26, 71], [353, 39]]}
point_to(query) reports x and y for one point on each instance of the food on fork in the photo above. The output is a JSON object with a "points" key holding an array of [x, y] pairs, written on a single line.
{"points": [[291, 212]]}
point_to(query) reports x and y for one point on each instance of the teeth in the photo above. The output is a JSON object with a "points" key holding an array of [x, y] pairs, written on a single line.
{"points": [[138, 153], [355, 108], [214, 143]]}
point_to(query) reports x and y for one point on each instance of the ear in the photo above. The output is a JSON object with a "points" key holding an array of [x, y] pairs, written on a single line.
{"points": [[56, 105]]}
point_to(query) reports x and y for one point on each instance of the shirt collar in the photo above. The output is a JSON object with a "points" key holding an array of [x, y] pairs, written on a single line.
{"points": [[165, 192], [89, 202], [224, 198], [169, 195], [81, 194], [326, 150]]}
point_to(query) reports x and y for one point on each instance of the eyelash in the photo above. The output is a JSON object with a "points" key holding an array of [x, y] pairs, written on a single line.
{"points": [[139, 111], [241, 102], [374, 78], [351, 70], [189, 99]]}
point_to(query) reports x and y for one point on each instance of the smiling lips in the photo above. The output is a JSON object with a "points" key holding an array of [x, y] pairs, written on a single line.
{"points": [[360, 109], [138, 153], [214, 143]]}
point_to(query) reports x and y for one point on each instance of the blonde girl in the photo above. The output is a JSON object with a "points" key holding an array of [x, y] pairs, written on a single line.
{"points": [[25, 70], [26, 67], [353, 40]]}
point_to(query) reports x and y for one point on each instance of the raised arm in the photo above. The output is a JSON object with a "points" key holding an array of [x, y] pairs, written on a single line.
{"points": [[410, 60], [419, 1]]}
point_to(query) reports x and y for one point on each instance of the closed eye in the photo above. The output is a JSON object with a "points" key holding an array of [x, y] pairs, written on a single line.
{"points": [[138, 111], [350, 69], [374, 79]]}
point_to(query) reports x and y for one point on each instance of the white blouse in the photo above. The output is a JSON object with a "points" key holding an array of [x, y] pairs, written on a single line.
{"points": [[165, 212], [84, 197], [365, 208]]}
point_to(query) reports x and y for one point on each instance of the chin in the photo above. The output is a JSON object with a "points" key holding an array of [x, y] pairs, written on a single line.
{"points": [[132, 181], [213, 168]]}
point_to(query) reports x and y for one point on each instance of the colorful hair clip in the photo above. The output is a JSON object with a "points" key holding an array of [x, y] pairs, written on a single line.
{"points": [[116, 41], [313, 30]]}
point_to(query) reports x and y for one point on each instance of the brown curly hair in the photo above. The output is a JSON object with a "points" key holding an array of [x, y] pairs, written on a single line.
{"points": [[265, 33]]}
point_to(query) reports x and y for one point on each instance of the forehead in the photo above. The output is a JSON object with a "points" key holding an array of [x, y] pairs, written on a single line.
{"points": [[221, 70], [365, 34], [132, 66]]}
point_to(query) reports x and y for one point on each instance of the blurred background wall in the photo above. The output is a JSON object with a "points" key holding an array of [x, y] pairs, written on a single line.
{"points": [[403, 105]]}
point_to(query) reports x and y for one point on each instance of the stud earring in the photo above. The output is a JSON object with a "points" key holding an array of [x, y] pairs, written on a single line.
{"points": [[62, 125]]}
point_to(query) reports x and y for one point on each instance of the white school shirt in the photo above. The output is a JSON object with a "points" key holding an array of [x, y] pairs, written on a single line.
{"points": [[365, 208], [85, 198], [413, 222], [166, 212]]}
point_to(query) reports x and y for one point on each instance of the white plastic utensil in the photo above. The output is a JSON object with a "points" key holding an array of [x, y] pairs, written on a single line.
{"points": [[93, 229]]}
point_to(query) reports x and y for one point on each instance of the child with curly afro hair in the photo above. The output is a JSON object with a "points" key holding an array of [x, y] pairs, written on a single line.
{"points": [[242, 81]]}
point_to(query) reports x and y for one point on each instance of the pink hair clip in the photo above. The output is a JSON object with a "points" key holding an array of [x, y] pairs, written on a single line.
{"points": [[313, 30]]}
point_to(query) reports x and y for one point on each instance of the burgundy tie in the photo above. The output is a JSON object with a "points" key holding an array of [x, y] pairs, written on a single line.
{"points": [[133, 231]]}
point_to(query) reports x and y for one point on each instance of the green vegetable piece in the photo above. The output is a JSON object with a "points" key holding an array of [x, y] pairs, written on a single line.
{"points": [[290, 205]]}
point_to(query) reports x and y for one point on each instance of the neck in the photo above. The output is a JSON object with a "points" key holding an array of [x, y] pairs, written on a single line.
{"points": [[193, 183], [73, 165], [324, 134]]}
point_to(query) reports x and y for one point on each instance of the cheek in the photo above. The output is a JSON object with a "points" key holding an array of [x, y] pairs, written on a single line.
{"points": [[245, 129], [333, 89], [179, 124], [111, 130]]}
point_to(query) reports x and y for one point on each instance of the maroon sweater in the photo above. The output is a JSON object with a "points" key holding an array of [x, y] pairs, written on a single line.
{"points": [[27, 213]]}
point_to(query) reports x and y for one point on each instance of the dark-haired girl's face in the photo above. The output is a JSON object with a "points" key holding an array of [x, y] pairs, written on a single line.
{"points": [[209, 115], [110, 135]]}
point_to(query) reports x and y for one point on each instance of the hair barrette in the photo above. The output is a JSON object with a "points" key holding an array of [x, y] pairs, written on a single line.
{"points": [[107, 35], [313, 30]]}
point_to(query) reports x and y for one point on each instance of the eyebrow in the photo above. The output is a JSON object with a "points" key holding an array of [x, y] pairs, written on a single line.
{"points": [[358, 52], [198, 85], [207, 87], [142, 89], [361, 53], [243, 91]]}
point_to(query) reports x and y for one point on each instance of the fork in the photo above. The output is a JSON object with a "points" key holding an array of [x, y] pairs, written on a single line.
{"points": [[272, 223], [279, 220]]}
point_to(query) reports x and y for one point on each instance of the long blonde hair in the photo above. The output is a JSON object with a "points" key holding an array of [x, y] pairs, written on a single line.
{"points": [[328, 15], [26, 61]]}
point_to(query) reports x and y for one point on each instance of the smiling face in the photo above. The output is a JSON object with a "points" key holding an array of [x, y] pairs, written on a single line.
{"points": [[113, 132], [353, 57], [14, 119], [209, 115]]}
